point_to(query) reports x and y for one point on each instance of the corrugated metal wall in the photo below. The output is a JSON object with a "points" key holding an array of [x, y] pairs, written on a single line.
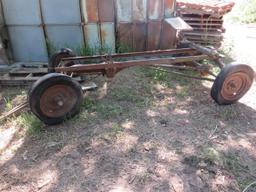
{"points": [[38, 26]]}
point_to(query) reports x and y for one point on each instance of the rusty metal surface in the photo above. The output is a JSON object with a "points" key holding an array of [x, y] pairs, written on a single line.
{"points": [[124, 35], [106, 10], [235, 86], [90, 11], [58, 100], [115, 66], [169, 8], [213, 7], [134, 54], [139, 36], [155, 9], [154, 35], [168, 37], [111, 64], [132, 20]]}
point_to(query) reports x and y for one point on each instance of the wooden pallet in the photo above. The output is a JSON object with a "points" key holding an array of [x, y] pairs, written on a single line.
{"points": [[24, 75]]}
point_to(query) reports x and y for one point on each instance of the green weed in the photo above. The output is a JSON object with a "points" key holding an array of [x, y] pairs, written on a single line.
{"points": [[116, 129], [143, 177], [122, 48], [108, 110], [86, 51], [232, 163], [51, 48], [8, 104], [31, 123]]}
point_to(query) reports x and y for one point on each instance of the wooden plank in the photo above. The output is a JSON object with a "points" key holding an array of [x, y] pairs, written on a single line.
{"points": [[209, 19], [209, 34], [28, 71]]}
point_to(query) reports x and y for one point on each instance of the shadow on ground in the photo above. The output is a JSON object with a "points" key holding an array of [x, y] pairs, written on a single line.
{"points": [[155, 137]]}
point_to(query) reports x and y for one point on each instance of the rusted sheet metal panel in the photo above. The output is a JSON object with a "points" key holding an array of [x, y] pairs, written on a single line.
{"points": [[155, 9], [124, 10], [139, 10], [106, 10], [91, 33], [169, 8], [168, 37], [90, 11], [154, 35], [107, 33], [139, 36], [124, 35]]}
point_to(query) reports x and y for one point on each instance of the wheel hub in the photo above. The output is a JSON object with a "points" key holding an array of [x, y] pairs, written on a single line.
{"points": [[57, 100], [235, 86]]}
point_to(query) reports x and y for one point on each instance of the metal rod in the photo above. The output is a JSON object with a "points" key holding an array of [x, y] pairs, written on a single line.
{"points": [[177, 67], [213, 54], [135, 54], [131, 63], [185, 75]]}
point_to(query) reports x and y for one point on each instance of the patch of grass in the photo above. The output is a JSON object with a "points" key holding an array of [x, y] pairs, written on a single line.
{"points": [[8, 104], [143, 177], [182, 91], [91, 109], [108, 110], [232, 163], [51, 48], [212, 155], [88, 104], [165, 78], [122, 48], [116, 129], [105, 49], [130, 95], [228, 113], [31, 123], [86, 51]]}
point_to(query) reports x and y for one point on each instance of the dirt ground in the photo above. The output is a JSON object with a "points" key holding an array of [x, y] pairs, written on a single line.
{"points": [[144, 131]]}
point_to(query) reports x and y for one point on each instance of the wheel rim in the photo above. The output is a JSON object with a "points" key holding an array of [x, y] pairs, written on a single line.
{"points": [[236, 86], [58, 101]]}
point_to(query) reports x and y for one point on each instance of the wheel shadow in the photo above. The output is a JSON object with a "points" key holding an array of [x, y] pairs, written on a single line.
{"points": [[156, 147]]}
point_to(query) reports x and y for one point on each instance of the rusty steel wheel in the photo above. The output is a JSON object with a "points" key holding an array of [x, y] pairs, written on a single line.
{"points": [[55, 98], [233, 82], [56, 58]]}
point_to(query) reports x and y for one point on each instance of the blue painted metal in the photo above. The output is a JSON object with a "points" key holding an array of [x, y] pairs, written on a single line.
{"points": [[61, 11], [91, 32], [21, 12], [1, 15], [28, 43], [108, 36], [124, 10], [60, 22], [65, 36]]}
